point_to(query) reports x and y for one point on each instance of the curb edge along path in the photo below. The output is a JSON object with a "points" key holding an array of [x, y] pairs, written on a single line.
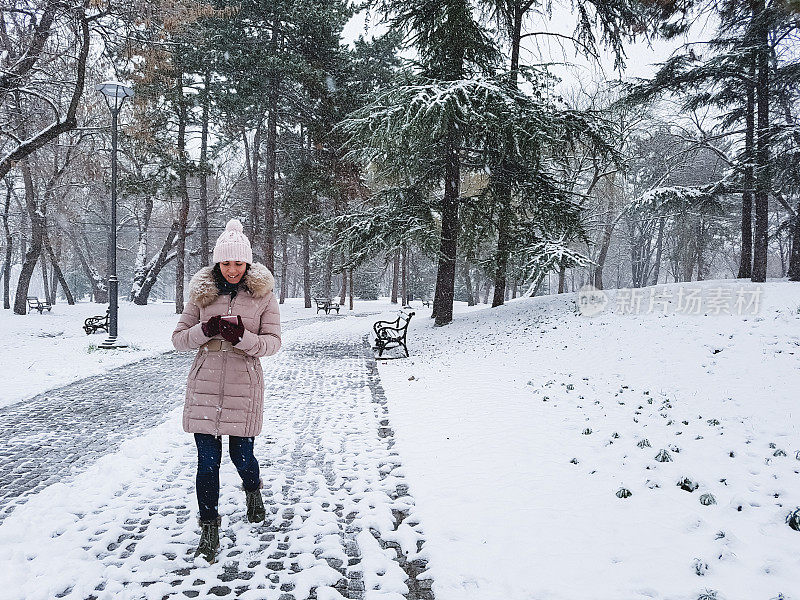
{"points": [[340, 521]]}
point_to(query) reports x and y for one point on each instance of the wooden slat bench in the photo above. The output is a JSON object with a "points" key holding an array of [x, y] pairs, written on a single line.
{"points": [[327, 305], [41, 305]]}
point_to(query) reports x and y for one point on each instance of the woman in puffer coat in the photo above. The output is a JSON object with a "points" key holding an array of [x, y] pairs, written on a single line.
{"points": [[232, 319]]}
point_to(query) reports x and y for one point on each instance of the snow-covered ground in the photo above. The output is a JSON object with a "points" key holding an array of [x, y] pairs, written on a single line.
{"points": [[47, 350], [518, 426]]}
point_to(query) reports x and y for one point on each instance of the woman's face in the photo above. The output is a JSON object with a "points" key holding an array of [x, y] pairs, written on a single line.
{"points": [[232, 270]]}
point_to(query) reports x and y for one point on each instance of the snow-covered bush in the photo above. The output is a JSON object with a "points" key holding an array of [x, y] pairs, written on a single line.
{"points": [[793, 519], [663, 456]]}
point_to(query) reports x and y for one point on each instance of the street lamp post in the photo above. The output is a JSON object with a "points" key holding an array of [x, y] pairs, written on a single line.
{"points": [[114, 94]]}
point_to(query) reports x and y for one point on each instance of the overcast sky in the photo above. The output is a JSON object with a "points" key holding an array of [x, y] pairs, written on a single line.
{"points": [[640, 62]]}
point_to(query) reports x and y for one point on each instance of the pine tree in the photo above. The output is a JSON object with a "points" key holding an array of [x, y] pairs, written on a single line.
{"points": [[739, 77], [451, 45]]}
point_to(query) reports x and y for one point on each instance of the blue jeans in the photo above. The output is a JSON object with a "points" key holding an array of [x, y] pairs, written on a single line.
{"points": [[209, 457]]}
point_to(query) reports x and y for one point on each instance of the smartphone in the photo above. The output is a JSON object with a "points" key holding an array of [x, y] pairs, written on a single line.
{"points": [[234, 319]]}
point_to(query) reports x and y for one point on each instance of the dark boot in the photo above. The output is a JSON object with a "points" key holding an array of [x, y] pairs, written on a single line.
{"points": [[255, 505], [209, 540]]}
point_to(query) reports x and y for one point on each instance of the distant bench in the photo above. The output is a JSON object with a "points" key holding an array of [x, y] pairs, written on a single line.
{"points": [[95, 324], [41, 305], [392, 334], [327, 305]]}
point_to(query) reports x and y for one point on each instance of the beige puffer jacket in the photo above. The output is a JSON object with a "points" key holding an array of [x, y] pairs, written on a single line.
{"points": [[225, 391]]}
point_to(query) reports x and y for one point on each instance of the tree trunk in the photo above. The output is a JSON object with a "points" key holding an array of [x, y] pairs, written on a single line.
{"points": [[205, 248], [446, 272], [562, 278], [272, 153], [504, 188], [54, 279], [140, 270], [57, 272], [468, 284], [307, 266], [607, 231], [251, 162], [45, 280], [9, 247], [794, 256], [762, 172], [351, 289], [183, 192], [659, 247], [150, 271], [746, 258], [503, 245], [404, 276], [537, 284], [395, 275], [284, 266], [37, 232], [327, 275], [700, 247]]}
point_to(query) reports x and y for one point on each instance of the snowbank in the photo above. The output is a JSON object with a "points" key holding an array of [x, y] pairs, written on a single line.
{"points": [[517, 426]]}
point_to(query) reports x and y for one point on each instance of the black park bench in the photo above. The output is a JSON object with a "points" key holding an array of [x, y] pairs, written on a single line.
{"points": [[41, 305], [95, 324], [327, 305], [392, 334]]}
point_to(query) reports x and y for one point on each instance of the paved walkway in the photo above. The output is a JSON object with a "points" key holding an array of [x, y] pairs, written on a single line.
{"points": [[340, 521]]}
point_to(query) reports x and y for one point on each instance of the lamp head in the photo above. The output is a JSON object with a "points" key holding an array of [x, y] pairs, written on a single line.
{"points": [[114, 93]]}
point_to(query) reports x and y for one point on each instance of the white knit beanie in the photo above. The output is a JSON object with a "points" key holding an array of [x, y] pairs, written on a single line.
{"points": [[233, 244]]}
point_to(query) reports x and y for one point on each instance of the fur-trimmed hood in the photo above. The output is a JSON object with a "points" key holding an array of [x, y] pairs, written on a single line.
{"points": [[203, 289]]}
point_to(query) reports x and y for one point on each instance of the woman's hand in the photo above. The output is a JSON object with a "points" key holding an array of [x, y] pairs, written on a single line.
{"points": [[232, 332], [211, 327]]}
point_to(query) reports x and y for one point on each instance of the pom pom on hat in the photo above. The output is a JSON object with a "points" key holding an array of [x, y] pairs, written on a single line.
{"points": [[234, 225], [233, 244]]}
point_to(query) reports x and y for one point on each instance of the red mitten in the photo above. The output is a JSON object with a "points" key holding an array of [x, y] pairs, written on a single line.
{"points": [[232, 332], [211, 327]]}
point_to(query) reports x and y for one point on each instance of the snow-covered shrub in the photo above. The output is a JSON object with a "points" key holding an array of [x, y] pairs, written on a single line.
{"points": [[687, 484], [663, 456], [624, 493], [645, 443], [793, 519], [707, 499], [700, 567]]}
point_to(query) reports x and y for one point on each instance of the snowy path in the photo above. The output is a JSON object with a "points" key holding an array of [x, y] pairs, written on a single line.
{"points": [[340, 523], [61, 432]]}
